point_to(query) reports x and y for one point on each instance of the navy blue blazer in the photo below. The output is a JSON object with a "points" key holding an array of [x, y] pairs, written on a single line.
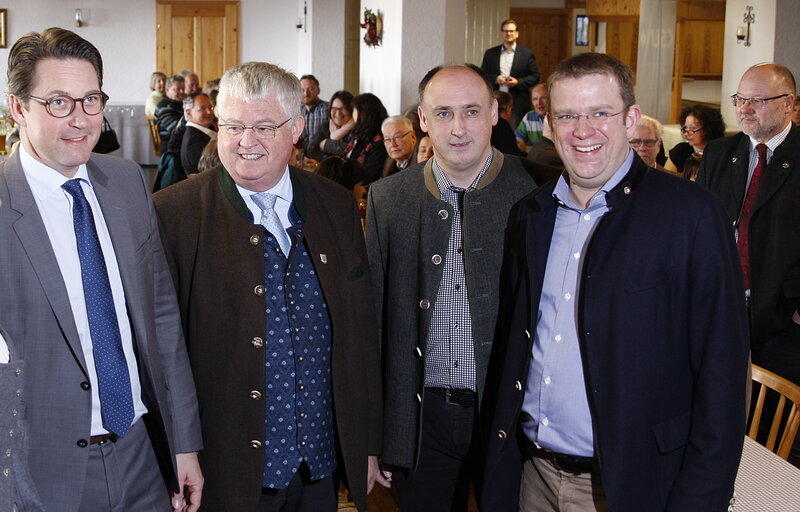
{"points": [[663, 337]]}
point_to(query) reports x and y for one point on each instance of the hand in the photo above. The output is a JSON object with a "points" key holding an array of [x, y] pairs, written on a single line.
{"points": [[190, 480], [377, 475], [501, 79], [511, 81], [796, 317], [343, 130]]}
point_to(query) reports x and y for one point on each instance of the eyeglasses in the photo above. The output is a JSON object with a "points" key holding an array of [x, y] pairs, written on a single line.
{"points": [[397, 138], [739, 101], [648, 143], [339, 109], [62, 106], [691, 131], [594, 119], [264, 132], [508, 31]]}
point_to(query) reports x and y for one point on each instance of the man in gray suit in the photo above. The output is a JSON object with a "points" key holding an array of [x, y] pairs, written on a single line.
{"points": [[112, 415], [435, 245]]}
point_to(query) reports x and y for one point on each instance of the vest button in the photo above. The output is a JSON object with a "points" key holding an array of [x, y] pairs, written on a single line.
{"points": [[85, 386], [436, 259], [501, 435], [257, 342], [785, 165], [443, 214], [255, 443], [627, 191], [255, 239], [83, 443], [518, 386], [255, 395], [418, 352], [424, 304], [419, 398], [259, 290]]}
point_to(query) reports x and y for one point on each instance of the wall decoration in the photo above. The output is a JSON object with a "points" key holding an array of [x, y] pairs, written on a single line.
{"points": [[373, 22]]}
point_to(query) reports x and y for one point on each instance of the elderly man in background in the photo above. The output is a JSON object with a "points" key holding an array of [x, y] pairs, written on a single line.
{"points": [[529, 130], [401, 144], [169, 111], [646, 140], [272, 279], [192, 81], [199, 122]]}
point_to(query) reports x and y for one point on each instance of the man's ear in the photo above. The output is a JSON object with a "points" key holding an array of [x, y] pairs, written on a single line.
{"points": [[18, 111]]}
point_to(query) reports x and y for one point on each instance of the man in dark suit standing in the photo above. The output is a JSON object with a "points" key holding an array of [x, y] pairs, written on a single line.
{"points": [[756, 174], [625, 366], [272, 278], [512, 68], [86, 296]]}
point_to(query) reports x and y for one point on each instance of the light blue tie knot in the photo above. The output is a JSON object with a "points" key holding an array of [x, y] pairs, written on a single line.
{"points": [[270, 220]]}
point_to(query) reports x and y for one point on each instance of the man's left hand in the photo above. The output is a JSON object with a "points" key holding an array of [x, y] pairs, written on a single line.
{"points": [[190, 480], [511, 81], [376, 475]]}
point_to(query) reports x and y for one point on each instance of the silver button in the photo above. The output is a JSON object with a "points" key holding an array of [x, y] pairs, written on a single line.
{"points": [[13, 412], [627, 191], [785, 165], [734, 159], [8, 452], [6, 472], [255, 395], [418, 352], [255, 239], [501, 435], [443, 214], [18, 372], [419, 398], [257, 342], [527, 333], [255, 443], [259, 290], [436, 259], [424, 304], [518, 385]]}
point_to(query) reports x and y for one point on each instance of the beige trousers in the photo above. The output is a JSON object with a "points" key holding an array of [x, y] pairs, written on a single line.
{"points": [[547, 489]]}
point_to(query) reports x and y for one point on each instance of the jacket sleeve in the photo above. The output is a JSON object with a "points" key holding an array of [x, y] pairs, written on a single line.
{"points": [[531, 72]]}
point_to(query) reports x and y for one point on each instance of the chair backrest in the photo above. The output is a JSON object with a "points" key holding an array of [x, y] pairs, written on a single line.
{"points": [[787, 391], [155, 137]]}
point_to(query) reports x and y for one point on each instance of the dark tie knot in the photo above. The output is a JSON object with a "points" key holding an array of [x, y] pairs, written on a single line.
{"points": [[74, 188]]}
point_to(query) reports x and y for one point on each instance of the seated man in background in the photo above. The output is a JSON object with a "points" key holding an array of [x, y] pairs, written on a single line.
{"points": [[192, 81], [502, 133], [646, 140], [169, 111], [530, 128], [400, 141], [199, 120]]}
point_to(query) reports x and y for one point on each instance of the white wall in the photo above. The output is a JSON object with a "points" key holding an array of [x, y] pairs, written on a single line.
{"points": [[738, 57]]}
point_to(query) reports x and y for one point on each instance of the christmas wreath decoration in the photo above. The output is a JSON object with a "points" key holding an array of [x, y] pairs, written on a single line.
{"points": [[373, 22]]}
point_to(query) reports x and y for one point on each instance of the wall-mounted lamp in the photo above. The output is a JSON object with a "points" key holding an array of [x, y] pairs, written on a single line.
{"points": [[743, 33], [78, 18], [302, 23]]}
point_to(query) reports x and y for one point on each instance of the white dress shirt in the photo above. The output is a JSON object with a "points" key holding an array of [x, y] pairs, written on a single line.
{"points": [[55, 206], [282, 189]]}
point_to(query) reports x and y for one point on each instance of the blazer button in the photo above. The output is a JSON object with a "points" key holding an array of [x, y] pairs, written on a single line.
{"points": [[259, 290], [627, 191], [255, 239], [418, 352], [785, 165], [255, 443], [501, 435], [255, 395], [6, 471], [83, 443], [443, 214], [436, 259], [734, 159], [419, 398], [257, 342], [85, 386], [528, 333], [424, 304], [518, 386]]}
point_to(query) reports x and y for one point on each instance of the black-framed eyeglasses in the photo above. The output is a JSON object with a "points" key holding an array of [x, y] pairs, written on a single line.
{"points": [[648, 143], [691, 131], [62, 105], [265, 132], [397, 138], [739, 101]]}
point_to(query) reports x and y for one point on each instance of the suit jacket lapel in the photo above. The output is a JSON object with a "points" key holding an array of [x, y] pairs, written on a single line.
{"points": [[739, 163], [781, 165], [35, 242]]}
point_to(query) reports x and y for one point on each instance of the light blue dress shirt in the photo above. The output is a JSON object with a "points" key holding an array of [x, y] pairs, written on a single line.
{"points": [[556, 409]]}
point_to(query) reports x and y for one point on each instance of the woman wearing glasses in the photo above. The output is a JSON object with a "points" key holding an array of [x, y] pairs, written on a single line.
{"points": [[699, 125]]}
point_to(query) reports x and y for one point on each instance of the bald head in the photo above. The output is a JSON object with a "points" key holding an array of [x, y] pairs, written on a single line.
{"points": [[775, 84]]}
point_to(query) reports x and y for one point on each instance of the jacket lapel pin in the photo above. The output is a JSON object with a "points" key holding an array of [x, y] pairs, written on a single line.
{"points": [[323, 258]]}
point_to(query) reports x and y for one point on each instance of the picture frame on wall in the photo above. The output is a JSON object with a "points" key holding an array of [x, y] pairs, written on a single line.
{"points": [[3, 31], [581, 30]]}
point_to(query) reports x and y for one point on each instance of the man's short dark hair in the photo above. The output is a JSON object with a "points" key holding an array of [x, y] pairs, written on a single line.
{"points": [[310, 77], [56, 43], [430, 74], [508, 22], [188, 101], [172, 79], [591, 63], [504, 100]]}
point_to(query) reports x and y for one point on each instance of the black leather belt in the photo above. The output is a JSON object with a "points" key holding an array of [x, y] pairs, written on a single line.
{"points": [[103, 438], [462, 397], [561, 461]]}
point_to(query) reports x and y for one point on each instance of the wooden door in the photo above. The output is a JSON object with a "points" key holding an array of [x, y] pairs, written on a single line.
{"points": [[546, 32], [201, 36]]}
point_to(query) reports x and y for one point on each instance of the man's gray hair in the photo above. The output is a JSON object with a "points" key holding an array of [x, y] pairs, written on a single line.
{"points": [[188, 101], [653, 123], [254, 81], [406, 122]]}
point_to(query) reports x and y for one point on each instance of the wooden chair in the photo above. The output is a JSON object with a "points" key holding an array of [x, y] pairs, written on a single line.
{"points": [[155, 137], [787, 390]]}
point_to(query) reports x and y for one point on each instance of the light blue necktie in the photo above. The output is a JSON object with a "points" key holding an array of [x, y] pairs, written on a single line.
{"points": [[114, 381], [270, 220]]}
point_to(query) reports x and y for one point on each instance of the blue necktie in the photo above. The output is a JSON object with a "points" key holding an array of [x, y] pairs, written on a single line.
{"points": [[270, 220], [114, 381]]}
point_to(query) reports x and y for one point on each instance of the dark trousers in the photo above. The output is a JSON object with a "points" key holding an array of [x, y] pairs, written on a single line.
{"points": [[450, 458], [123, 476], [302, 495], [781, 355]]}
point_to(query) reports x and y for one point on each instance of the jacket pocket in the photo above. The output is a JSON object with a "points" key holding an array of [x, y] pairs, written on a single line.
{"points": [[672, 434]]}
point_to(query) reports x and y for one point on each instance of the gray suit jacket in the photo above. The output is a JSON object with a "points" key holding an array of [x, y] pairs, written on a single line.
{"points": [[38, 316], [407, 224]]}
